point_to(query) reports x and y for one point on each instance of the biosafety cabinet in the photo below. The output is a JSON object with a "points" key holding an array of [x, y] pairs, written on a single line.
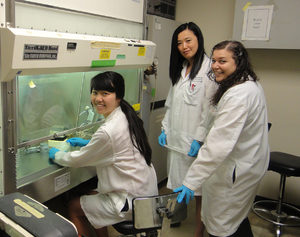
{"points": [[45, 99]]}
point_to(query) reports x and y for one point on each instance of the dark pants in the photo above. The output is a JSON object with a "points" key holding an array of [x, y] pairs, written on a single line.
{"points": [[244, 230]]}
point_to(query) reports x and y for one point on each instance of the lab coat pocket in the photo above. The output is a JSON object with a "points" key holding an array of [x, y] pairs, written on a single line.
{"points": [[192, 91], [119, 201], [230, 174], [234, 175]]}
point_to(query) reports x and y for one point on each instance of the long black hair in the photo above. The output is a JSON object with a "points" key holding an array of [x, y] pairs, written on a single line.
{"points": [[114, 82], [243, 72], [176, 59]]}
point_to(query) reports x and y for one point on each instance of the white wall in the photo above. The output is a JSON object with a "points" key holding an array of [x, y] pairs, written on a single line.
{"points": [[279, 72], [214, 17]]}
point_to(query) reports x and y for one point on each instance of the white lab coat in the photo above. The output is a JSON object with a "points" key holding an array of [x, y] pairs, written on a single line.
{"points": [[120, 166], [186, 105], [233, 159]]}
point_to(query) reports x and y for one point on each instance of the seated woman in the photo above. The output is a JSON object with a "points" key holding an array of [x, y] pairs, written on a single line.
{"points": [[119, 150]]}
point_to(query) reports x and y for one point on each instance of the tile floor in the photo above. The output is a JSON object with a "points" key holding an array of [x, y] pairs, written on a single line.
{"points": [[260, 227]]}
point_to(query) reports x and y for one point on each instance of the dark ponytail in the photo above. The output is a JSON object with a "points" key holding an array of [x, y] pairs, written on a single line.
{"points": [[136, 129], [114, 82]]}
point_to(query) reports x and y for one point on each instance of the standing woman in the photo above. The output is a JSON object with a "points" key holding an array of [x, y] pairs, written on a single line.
{"points": [[186, 106], [119, 150], [235, 154]]}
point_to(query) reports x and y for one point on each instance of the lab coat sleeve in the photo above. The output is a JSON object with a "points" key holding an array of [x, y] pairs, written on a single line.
{"points": [[168, 104], [207, 110], [221, 140], [98, 152]]}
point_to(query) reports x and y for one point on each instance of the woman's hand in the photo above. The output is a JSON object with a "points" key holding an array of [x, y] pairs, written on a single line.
{"points": [[52, 153], [77, 141], [162, 138], [185, 192], [195, 146]]}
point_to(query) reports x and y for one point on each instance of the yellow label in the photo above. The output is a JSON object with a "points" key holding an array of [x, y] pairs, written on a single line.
{"points": [[246, 6], [142, 51], [104, 54], [101, 44], [136, 107], [28, 208]]}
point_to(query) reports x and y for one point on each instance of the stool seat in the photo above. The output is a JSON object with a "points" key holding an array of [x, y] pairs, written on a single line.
{"points": [[284, 163], [127, 228]]}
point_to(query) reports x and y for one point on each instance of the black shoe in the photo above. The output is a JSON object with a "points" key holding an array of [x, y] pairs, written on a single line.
{"points": [[174, 225]]}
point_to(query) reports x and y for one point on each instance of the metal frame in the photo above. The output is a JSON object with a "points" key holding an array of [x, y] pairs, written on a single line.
{"points": [[7, 13], [34, 185], [28, 13], [8, 93], [69, 10], [275, 212], [151, 213]]}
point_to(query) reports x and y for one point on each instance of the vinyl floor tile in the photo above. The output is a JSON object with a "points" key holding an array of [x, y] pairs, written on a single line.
{"points": [[260, 227]]}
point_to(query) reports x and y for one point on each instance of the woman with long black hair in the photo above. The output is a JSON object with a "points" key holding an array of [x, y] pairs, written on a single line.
{"points": [[119, 150], [187, 106]]}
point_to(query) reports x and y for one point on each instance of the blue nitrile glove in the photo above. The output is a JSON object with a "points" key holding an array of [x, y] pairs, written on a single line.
{"points": [[77, 141], [162, 138], [52, 152], [195, 146], [185, 192]]}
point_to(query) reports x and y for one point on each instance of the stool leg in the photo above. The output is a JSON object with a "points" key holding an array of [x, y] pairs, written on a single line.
{"points": [[278, 231], [279, 205], [281, 193]]}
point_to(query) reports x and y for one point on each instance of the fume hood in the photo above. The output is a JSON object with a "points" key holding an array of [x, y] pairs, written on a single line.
{"points": [[45, 78]]}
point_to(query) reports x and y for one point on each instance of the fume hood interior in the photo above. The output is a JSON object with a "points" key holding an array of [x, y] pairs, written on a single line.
{"points": [[47, 100]]}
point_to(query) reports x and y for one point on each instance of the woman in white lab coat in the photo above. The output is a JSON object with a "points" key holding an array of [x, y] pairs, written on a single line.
{"points": [[119, 150], [235, 154], [186, 106]]}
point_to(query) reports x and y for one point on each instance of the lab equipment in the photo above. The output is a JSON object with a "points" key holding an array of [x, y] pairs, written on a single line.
{"points": [[46, 97], [59, 143], [47, 52], [89, 115], [21, 215], [162, 38], [151, 214]]}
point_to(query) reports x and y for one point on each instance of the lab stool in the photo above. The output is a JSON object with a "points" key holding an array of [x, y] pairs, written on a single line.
{"points": [[277, 212], [149, 215]]}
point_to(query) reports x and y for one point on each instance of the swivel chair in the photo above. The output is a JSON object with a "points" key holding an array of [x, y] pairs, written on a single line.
{"points": [[149, 215], [277, 212]]}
